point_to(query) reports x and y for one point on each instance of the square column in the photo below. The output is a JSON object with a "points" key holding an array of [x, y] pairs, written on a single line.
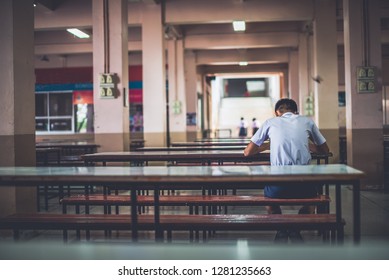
{"points": [[364, 118], [192, 86], [110, 55], [17, 100], [177, 98], [154, 76], [293, 76], [325, 74], [304, 63]]}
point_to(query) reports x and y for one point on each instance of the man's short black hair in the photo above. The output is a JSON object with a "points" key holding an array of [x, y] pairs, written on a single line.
{"points": [[286, 105]]}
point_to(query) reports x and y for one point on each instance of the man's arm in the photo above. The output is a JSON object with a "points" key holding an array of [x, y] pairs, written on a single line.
{"points": [[319, 149], [253, 149]]}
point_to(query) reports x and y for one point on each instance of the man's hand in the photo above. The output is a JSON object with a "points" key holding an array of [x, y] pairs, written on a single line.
{"points": [[253, 149], [319, 149]]}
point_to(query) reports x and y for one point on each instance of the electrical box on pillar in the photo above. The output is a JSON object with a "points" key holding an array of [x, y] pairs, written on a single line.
{"points": [[308, 106], [366, 79], [108, 85], [177, 107]]}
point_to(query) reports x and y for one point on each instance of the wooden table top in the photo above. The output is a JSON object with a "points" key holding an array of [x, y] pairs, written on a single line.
{"points": [[242, 143], [184, 155], [236, 139], [195, 156], [74, 144], [161, 175], [45, 150], [190, 148]]}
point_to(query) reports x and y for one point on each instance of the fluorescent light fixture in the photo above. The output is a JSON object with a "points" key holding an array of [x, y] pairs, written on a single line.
{"points": [[243, 63], [78, 33], [239, 25]]}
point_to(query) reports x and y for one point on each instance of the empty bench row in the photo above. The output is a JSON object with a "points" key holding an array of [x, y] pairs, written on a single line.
{"points": [[192, 201], [170, 223]]}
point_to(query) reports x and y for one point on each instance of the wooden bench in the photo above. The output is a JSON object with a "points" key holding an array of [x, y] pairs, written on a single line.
{"points": [[170, 223], [192, 201]]}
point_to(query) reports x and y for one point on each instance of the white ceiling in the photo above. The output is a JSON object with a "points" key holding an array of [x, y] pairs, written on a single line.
{"points": [[272, 29]]}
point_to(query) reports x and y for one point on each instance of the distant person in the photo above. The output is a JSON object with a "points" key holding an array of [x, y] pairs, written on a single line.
{"points": [[254, 126], [289, 135], [242, 127]]}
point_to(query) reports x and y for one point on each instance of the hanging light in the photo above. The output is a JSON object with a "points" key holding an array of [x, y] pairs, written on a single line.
{"points": [[78, 33], [239, 25]]}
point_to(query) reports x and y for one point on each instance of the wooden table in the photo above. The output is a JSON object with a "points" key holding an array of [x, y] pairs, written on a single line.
{"points": [[242, 143], [175, 157], [225, 139], [204, 157], [48, 156], [71, 147], [193, 177], [136, 143], [190, 148]]}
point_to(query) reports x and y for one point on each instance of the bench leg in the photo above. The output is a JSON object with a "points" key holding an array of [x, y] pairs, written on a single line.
{"points": [[340, 234], [16, 234], [38, 201], [46, 196], [60, 193], [324, 234], [169, 236], [205, 235], [65, 236], [333, 236]]}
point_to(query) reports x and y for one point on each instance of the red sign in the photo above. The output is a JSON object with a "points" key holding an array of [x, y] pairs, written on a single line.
{"points": [[82, 97]]}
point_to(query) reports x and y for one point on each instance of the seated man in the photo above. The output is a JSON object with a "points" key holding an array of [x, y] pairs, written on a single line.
{"points": [[290, 135]]}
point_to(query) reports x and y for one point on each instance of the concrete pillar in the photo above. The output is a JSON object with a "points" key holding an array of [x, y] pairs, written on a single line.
{"points": [[304, 71], [154, 77], [293, 76], [364, 119], [191, 94], [206, 96], [110, 55], [177, 99], [325, 74], [17, 100], [284, 84]]}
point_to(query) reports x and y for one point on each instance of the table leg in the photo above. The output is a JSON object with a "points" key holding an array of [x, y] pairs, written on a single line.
{"points": [[338, 203], [357, 212], [134, 215], [158, 231]]}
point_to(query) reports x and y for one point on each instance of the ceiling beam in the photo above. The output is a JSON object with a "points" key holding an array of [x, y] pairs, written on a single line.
{"points": [[254, 40], [220, 69], [52, 5]]}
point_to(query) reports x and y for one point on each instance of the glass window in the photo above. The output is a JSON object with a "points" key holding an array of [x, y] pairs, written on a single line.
{"points": [[61, 104], [60, 124], [41, 125], [41, 105], [54, 112]]}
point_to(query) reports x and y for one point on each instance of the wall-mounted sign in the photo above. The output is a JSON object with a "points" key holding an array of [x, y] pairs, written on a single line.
{"points": [[366, 79], [108, 83]]}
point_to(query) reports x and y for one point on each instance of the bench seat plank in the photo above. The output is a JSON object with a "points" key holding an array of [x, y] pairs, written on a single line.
{"points": [[180, 200], [42, 221]]}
